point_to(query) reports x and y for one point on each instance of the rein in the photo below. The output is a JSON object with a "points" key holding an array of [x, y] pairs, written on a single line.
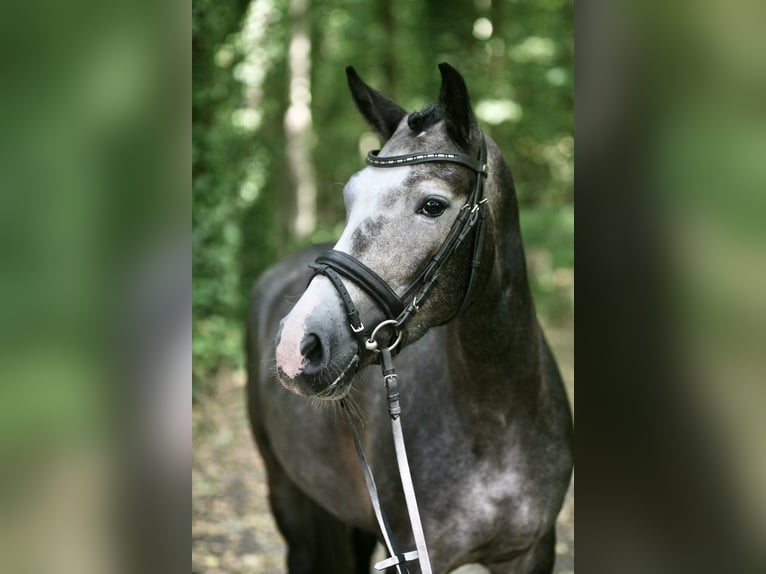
{"points": [[398, 310]]}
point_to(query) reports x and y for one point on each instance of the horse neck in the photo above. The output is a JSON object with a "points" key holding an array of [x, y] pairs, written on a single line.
{"points": [[495, 347]]}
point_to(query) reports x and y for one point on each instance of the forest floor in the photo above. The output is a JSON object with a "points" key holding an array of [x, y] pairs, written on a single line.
{"points": [[232, 527]]}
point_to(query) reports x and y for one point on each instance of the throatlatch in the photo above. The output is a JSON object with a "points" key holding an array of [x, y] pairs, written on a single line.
{"points": [[398, 310]]}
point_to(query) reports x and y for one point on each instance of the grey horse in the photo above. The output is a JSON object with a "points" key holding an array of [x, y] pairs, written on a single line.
{"points": [[487, 422]]}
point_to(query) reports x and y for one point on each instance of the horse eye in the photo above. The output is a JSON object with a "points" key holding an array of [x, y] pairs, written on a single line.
{"points": [[433, 207]]}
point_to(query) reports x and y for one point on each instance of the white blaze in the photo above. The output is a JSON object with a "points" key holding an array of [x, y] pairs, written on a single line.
{"points": [[368, 187]]}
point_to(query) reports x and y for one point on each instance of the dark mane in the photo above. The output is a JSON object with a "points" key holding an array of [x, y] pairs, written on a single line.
{"points": [[424, 119]]}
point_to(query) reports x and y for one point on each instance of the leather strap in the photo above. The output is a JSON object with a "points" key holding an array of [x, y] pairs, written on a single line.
{"points": [[472, 212], [354, 321], [394, 409], [362, 275], [477, 165], [396, 559], [478, 246]]}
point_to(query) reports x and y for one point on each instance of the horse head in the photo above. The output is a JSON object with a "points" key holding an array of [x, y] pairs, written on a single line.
{"points": [[398, 217]]}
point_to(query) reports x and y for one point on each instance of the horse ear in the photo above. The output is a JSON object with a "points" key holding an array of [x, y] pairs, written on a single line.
{"points": [[380, 112], [456, 107]]}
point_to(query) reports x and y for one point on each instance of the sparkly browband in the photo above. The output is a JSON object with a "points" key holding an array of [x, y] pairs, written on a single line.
{"points": [[423, 157]]}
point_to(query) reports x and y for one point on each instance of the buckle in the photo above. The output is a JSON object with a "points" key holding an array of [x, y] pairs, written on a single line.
{"points": [[359, 330], [398, 559]]}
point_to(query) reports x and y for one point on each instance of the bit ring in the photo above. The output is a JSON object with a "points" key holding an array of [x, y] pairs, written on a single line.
{"points": [[372, 345]]}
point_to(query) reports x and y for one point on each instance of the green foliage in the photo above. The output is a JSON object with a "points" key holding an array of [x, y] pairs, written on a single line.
{"points": [[219, 155], [516, 56], [547, 234], [216, 343], [520, 79]]}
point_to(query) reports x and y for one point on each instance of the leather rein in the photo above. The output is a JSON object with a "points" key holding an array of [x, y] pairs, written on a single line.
{"points": [[398, 310]]}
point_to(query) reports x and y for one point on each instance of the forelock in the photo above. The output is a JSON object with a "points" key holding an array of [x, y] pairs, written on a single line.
{"points": [[424, 119]]}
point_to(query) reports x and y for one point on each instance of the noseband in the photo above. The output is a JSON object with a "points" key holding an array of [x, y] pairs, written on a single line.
{"points": [[399, 309]]}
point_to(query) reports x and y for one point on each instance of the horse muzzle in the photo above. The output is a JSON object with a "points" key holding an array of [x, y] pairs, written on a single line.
{"points": [[316, 355]]}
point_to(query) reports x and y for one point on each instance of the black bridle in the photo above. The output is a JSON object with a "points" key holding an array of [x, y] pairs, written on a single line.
{"points": [[398, 310]]}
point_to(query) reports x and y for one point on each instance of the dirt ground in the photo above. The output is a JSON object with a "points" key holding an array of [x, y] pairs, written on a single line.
{"points": [[232, 528]]}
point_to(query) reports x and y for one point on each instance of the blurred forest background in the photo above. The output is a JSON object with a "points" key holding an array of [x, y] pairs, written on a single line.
{"points": [[276, 135]]}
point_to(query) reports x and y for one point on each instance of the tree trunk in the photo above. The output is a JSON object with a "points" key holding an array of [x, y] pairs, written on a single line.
{"points": [[297, 122]]}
